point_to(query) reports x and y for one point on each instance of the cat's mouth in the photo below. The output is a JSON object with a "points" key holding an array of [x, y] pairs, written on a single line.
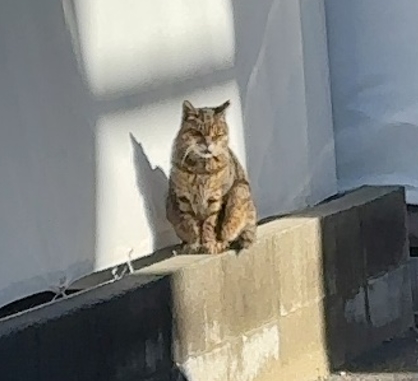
{"points": [[206, 154], [201, 153]]}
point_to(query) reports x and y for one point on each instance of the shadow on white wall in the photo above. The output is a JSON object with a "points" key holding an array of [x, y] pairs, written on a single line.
{"points": [[152, 183]]}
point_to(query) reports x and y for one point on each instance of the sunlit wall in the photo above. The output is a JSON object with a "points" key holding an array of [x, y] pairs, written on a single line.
{"points": [[93, 101]]}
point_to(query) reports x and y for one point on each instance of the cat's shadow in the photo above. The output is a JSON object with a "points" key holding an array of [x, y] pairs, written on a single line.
{"points": [[152, 184]]}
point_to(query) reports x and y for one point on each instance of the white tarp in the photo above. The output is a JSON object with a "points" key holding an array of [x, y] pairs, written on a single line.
{"points": [[47, 164], [91, 99], [374, 72]]}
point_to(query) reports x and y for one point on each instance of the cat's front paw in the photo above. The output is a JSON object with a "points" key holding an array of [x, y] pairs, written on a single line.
{"points": [[191, 248], [214, 247]]}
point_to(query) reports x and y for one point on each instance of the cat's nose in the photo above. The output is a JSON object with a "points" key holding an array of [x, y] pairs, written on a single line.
{"points": [[210, 147]]}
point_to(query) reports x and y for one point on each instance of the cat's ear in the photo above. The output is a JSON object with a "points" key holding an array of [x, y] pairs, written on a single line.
{"points": [[188, 108], [222, 108]]}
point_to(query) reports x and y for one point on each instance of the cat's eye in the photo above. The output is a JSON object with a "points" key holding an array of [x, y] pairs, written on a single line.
{"points": [[183, 199], [195, 133], [212, 200]]}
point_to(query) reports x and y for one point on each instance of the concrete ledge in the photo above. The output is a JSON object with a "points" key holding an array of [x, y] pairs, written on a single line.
{"points": [[318, 288]]}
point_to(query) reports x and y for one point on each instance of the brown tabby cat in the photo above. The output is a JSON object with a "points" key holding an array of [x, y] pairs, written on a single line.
{"points": [[209, 201]]}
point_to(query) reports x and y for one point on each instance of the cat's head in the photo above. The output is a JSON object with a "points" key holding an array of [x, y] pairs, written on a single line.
{"points": [[204, 131]]}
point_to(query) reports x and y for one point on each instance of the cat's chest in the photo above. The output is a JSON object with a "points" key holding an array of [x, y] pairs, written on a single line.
{"points": [[201, 190], [202, 184]]}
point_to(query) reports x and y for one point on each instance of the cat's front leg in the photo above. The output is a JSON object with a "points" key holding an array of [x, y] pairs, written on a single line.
{"points": [[209, 240], [188, 230], [240, 217], [186, 226]]}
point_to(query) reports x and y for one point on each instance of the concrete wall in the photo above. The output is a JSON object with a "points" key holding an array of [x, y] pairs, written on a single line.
{"points": [[339, 270], [91, 101], [318, 288]]}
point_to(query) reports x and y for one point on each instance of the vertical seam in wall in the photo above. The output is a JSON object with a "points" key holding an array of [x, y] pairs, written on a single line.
{"points": [[365, 282], [312, 167], [330, 90], [307, 192]]}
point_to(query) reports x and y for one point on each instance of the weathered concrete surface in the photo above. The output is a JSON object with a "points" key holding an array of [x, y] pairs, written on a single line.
{"points": [[394, 360], [318, 288], [413, 270], [366, 255], [119, 331]]}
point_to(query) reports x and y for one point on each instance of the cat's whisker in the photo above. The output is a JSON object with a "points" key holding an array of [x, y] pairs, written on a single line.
{"points": [[186, 153], [222, 150]]}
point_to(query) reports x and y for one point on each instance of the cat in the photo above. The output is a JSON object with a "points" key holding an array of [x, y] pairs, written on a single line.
{"points": [[209, 201]]}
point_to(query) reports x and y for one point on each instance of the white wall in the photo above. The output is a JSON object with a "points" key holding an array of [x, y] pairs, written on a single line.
{"points": [[374, 70], [92, 103]]}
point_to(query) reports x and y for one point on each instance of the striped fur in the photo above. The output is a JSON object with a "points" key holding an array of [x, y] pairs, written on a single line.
{"points": [[209, 202]]}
